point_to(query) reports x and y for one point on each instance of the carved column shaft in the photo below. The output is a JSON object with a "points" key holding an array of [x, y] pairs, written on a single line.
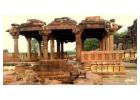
{"points": [[16, 50], [107, 42], [29, 47], [40, 51], [101, 44], [104, 43], [52, 47], [62, 50], [78, 46], [45, 47], [58, 49], [111, 42]]}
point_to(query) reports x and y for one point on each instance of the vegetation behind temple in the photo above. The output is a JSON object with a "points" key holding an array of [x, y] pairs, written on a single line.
{"points": [[120, 36], [93, 44]]}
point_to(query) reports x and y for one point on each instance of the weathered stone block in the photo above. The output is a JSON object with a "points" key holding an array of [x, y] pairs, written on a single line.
{"points": [[9, 79]]}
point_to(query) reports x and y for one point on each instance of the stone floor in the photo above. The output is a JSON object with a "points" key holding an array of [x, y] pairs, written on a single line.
{"points": [[129, 79]]}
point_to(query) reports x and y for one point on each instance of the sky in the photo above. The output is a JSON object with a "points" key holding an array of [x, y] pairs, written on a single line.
{"points": [[20, 11]]}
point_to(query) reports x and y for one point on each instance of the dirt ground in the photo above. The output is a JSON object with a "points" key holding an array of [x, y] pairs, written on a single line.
{"points": [[130, 78]]}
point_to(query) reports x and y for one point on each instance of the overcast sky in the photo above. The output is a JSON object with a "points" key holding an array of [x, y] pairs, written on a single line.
{"points": [[19, 12]]}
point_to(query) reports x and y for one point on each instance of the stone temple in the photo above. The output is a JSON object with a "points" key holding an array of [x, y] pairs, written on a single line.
{"points": [[63, 30]]}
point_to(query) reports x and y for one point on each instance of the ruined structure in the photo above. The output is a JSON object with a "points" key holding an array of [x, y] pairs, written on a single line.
{"points": [[132, 32], [130, 53], [64, 30], [30, 29], [53, 67]]}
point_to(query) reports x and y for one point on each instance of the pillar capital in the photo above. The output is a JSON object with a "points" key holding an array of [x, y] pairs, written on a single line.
{"points": [[14, 30], [45, 31], [15, 36], [52, 47]]}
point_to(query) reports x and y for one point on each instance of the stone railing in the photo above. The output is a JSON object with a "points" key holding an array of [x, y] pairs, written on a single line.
{"points": [[24, 56], [97, 56], [65, 55], [130, 55], [103, 62], [10, 57]]}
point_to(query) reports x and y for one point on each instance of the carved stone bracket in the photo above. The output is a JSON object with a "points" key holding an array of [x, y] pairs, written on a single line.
{"points": [[77, 30], [15, 36], [14, 31], [45, 31]]}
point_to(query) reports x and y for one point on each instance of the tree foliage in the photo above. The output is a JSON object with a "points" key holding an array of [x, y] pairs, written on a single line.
{"points": [[120, 36], [91, 44], [5, 51], [34, 45]]}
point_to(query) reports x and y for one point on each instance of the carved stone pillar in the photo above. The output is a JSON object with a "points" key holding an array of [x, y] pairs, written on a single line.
{"points": [[78, 46], [29, 48], [45, 47], [40, 51], [58, 49], [52, 47], [101, 44], [111, 42], [107, 42], [62, 50], [133, 42], [16, 50], [104, 43]]}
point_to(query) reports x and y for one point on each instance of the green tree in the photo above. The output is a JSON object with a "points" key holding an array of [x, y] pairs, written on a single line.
{"points": [[34, 44], [5, 51], [91, 44], [120, 36]]}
